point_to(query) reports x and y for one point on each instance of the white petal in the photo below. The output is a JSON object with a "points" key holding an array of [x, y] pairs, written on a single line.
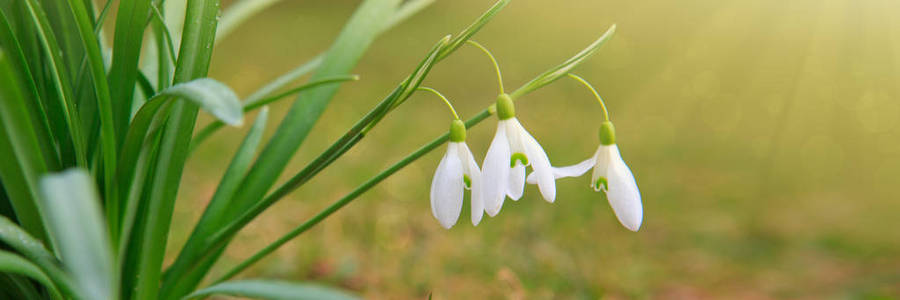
{"points": [[539, 162], [514, 133], [516, 182], [623, 193], [447, 188], [567, 171], [471, 168], [600, 168], [495, 172]]}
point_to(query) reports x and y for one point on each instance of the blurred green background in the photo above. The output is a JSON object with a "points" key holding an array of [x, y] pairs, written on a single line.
{"points": [[763, 136]]}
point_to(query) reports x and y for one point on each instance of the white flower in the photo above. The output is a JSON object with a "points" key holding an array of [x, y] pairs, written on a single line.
{"points": [[612, 176], [512, 149], [456, 172]]}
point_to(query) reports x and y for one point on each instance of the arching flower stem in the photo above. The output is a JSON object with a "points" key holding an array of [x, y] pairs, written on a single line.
{"points": [[423, 88], [594, 91], [493, 61]]}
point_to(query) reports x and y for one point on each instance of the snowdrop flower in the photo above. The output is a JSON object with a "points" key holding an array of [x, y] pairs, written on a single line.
{"points": [[456, 173], [612, 176], [512, 149]]}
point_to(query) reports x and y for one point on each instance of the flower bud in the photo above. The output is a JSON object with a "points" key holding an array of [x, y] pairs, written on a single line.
{"points": [[505, 108]]}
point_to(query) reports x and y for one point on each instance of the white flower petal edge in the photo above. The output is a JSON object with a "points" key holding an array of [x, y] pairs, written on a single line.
{"points": [[447, 188], [516, 182], [524, 143], [495, 172], [623, 193], [568, 171], [621, 188], [470, 168]]}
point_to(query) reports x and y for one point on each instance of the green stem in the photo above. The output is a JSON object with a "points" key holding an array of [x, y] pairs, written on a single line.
{"points": [[594, 91], [493, 61], [334, 207], [157, 15], [253, 103], [455, 115]]}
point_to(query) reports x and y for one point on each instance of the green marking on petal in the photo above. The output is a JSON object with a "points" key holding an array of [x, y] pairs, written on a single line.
{"points": [[601, 184], [518, 156], [467, 181]]}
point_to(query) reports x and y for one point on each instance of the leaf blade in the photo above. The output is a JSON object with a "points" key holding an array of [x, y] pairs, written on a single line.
{"points": [[274, 290], [13, 264], [77, 227]]}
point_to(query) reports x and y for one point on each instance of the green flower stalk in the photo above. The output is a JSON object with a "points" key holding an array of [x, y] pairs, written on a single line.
{"points": [[611, 175], [456, 173]]}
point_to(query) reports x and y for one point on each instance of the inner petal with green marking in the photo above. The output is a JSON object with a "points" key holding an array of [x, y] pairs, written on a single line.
{"points": [[520, 157], [467, 181], [601, 184]]}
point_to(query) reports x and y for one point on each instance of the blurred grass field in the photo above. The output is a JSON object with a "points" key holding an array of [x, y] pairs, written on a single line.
{"points": [[763, 135]]}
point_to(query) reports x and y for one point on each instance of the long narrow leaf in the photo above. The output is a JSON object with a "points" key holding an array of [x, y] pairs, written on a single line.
{"points": [[354, 135], [273, 290], [11, 263], [20, 158], [563, 68], [10, 43], [348, 140], [59, 78], [254, 103], [213, 96], [34, 250], [461, 38], [193, 62], [131, 20], [362, 28], [77, 227], [359, 32], [220, 202], [104, 106], [404, 12]]}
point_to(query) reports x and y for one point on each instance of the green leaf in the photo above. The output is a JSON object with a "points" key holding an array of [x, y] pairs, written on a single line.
{"points": [[273, 290], [404, 12], [346, 142], [193, 62], [78, 229], [20, 155], [17, 239], [10, 43], [256, 102], [131, 20], [211, 96], [104, 105], [564, 68], [461, 38], [359, 32], [219, 203], [354, 39], [13, 264], [59, 78]]}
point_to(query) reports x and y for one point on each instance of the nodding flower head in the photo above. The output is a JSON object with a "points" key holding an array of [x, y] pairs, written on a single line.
{"points": [[456, 173], [612, 176], [511, 150]]}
